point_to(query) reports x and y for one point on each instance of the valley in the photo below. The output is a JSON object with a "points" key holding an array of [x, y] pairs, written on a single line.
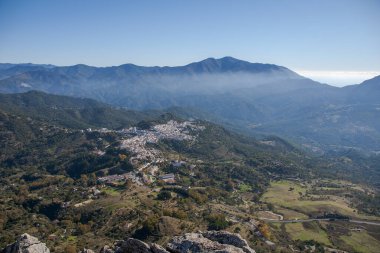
{"points": [[254, 98], [189, 126], [163, 176]]}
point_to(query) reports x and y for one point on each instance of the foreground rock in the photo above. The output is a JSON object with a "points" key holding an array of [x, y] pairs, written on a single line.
{"points": [[133, 246], [26, 244], [202, 242], [228, 238], [210, 241]]}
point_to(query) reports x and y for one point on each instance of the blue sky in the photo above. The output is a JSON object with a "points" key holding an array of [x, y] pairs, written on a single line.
{"points": [[318, 37]]}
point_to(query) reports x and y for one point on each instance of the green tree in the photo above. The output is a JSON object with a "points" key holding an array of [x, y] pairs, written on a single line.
{"points": [[217, 221]]}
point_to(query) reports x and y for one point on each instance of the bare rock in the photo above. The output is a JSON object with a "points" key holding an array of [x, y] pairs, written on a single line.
{"points": [[225, 237], [26, 244], [155, 248], [202, 242], [132, 245], [219, 242]]}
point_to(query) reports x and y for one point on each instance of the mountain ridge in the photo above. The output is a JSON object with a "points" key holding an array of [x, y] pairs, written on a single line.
{"points": [[253, 97], [210, 60]]}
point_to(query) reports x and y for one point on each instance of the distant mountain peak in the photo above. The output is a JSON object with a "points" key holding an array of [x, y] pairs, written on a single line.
{"points": [[220, 61], [231, 64], [231, 59]]}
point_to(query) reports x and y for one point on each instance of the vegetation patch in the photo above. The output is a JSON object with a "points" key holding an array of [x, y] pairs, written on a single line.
{"points": [[296, 196], [291, 214], [362, 242], [297, 231]]}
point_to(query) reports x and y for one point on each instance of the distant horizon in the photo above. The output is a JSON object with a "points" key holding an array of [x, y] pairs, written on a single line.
{"points": [[323, 38], [337, 78]]}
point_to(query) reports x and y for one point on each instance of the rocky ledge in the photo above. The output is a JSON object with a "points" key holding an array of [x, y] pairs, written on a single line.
{"points": [[209, 241], [26, 244]]}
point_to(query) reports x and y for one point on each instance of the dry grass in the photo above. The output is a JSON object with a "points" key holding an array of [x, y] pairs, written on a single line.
{"points": [[291, 214], [280, 195], [362, 242], [297, 231]]}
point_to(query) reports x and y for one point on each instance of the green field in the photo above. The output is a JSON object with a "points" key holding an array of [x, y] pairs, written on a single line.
{"points": [[290, 214], [111, 191], [297, 231], [362, 242], [286, 194]]}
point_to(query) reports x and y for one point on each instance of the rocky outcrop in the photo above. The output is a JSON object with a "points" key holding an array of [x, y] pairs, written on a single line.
{"points": [[225, 237], [202, 242], [155, 248], [211, 241], [133, 246], [26, 244]]}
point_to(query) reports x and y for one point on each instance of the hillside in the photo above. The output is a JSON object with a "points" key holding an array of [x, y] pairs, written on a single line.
{"points": [[160, 177], [71, 112], [258, 99]]}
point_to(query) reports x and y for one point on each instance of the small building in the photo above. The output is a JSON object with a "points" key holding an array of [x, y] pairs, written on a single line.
{"points": [[111, 179], [168, 178]]}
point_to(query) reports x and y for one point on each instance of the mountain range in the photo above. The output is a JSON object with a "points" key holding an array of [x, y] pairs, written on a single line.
{"points": [[258, 99]]}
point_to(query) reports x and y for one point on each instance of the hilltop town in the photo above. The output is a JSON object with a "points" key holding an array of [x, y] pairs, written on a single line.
{"points": [[145, 158]]}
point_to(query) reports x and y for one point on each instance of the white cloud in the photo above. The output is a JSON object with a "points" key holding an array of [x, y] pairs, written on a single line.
{"points": [[338, 78]]}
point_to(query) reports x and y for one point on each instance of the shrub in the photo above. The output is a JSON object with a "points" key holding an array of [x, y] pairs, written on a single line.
{"points": [[217, 222], [164, 195], [199, 197]]}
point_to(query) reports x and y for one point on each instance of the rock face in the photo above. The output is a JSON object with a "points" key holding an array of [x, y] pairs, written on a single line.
{"points": [[26, 244], [202, 242], [134, 246], [224, 237], [210, 241]]}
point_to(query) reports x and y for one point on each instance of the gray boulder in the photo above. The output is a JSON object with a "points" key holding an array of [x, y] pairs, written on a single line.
{"points": [[132, 245], [26, 244], [217, 242], [155, 248], [225, 237], [202, 242]]}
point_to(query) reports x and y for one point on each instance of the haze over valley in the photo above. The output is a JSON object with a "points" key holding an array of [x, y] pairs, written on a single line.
{"points": [[251, 97]]}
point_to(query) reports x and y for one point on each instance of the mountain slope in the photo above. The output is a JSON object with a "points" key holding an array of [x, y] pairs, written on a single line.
{"points": [[70, 112], [251, 97], [367, 92], [9, 69], [208, 75], [54, 177]]}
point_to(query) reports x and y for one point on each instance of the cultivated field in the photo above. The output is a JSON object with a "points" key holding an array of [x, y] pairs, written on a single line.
{"points": [[293, 196]]}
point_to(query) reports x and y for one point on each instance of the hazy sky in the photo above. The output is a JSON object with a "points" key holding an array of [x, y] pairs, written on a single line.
{"points": [[337, 41]]}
